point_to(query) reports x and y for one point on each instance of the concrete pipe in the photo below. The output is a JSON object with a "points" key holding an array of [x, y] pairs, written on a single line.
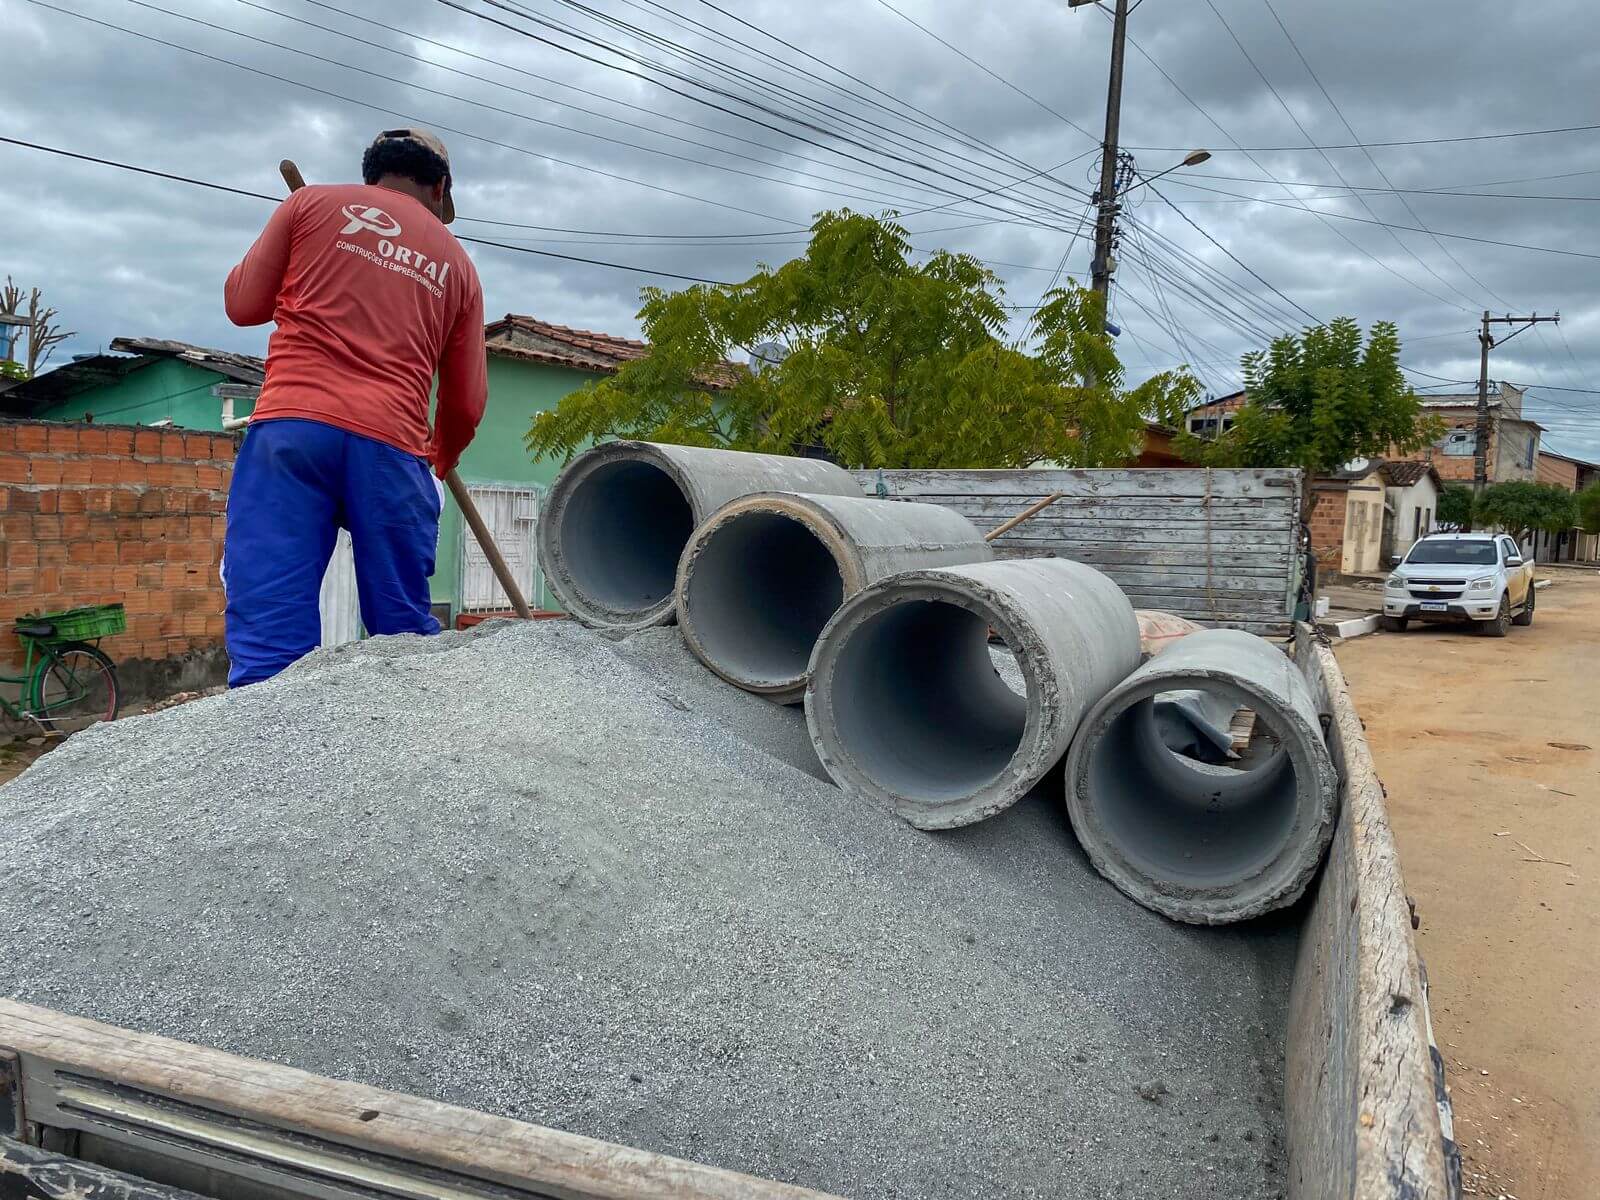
{"points": [[619, 515], [905, 706], [1204, 842], [762, 575]]}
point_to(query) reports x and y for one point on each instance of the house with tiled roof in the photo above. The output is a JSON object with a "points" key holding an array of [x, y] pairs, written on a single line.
{"points": [[532, 366]]}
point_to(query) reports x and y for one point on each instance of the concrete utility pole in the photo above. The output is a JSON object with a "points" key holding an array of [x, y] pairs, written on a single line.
{"points": [[1105, 224], [1480, 451]]}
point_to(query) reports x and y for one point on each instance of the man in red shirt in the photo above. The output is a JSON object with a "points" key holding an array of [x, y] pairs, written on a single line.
{"points": [[371, 296]]}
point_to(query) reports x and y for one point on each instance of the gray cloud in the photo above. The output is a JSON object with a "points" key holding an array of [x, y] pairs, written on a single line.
{"points": [[124, 254]]}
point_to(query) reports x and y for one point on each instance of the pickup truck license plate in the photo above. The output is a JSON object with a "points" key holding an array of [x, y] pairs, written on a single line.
{"points": [[1435, 606]]}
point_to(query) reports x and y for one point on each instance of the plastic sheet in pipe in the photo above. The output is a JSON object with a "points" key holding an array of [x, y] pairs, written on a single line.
{"points": [[763, 574], [1206, 842], [617, 518], [905, 706]]}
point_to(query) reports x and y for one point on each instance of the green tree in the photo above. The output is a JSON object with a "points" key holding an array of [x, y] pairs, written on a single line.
{"points": [[890, 363], [1589, 508], [1522, 508], [1455, 506], [1317, 400]]}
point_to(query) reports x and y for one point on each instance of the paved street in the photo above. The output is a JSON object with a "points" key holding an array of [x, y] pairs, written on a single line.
{"points": [[1490, 751]]}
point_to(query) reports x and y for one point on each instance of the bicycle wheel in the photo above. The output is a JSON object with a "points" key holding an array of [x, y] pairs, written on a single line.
{"points": [[74, 686]]}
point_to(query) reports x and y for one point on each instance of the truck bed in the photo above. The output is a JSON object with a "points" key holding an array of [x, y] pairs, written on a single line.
{"points": [[1287, 1056]]}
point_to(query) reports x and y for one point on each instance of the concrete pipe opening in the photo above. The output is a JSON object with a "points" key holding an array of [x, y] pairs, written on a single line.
{"points": [[757, 590], [624, 525], [617, 518], [907, 703], [763, 574], [1186, 833], [919, 705]]}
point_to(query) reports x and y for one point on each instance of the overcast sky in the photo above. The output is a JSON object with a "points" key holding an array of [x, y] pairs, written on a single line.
{"points": [[717, 150]]}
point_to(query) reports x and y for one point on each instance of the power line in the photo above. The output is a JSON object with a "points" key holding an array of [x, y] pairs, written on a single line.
{"points": [[1243, 266], [1332, 166], [540, 96], [1406, 204], [962, 134], [1437, 141], [740, 77], [878, 197], [404, 115], [765, 109], [1382, 191], [1026, 95], [1201, 109], [1463, 237], [219, 187]]}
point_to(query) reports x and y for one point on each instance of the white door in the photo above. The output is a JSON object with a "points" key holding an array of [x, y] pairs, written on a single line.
{"points": [[339, 604], [511, 513]]}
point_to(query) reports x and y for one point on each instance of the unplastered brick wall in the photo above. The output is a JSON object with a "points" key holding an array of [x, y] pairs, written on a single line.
{"points": [[92, 514], [1327, 526]]}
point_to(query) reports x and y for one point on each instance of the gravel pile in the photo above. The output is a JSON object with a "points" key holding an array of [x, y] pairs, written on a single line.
{"points": [[583, 883]]}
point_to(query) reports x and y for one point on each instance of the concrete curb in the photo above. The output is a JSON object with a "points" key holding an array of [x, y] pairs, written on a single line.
{"points": [[1350, 627], [1539, 584]]}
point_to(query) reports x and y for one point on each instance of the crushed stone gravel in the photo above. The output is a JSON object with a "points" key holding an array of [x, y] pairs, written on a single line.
{"points": [[583, 883]]}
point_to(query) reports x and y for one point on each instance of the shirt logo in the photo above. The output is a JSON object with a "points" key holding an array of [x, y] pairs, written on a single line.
{"points": [[373, 220]]}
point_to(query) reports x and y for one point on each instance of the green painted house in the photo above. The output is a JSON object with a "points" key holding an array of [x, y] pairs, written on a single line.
{"points": [[532, 365]]}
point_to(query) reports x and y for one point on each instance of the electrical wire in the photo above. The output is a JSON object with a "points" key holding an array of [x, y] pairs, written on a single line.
{"points": [[877, 197], [1201, 109], [1026, 95], [563, 126], [742, 77], [218, 187], [1435, 141], [1326, 158], [960, 133], [1350, 129], [404, 116], [766, 110]]}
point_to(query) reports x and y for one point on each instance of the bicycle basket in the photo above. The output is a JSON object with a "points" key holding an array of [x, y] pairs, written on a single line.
{"points": [[83, 624]]}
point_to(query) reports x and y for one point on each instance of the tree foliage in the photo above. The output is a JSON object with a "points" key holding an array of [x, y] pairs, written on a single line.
{"points": [[42, 333], [1521, 507], [890, 363], [1455, 506], [1589, 508], [1317, 400]]}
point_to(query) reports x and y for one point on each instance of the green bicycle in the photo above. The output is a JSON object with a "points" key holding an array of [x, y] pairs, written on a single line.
{"points": [[67, 682]]}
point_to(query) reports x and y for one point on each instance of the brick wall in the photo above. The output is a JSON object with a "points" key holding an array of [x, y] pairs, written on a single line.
{"points": [[1327, 526], [92, 514]]}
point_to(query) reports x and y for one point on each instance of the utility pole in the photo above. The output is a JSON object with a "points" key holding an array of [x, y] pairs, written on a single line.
{"points": [[1480, 450], [1105, 224]]}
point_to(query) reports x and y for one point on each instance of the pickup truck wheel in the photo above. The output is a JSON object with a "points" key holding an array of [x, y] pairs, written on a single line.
{"points": [[1501, 623], [1525, 617], [1393, 624]]}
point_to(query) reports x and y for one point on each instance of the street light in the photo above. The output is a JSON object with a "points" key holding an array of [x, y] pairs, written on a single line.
{"points": [[1193, 159]]}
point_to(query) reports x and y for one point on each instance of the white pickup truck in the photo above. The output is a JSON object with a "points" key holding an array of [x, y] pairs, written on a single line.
{"points": [[1478, 577]]}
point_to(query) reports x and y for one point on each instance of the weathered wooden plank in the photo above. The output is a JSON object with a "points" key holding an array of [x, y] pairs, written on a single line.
{"points": [[1088, 520], [1053, 533], [1362, 1118], [69, 1054], [1039, 482], [1146, 555], [1179, 601], [1184, 584], [1217, 546], [1155, 508]]}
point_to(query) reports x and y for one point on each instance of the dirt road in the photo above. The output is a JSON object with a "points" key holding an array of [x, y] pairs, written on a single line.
{"points": [[1490, 750]]}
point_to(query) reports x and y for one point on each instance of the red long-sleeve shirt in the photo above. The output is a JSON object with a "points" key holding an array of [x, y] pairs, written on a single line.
{"points": [[371, 295]]}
